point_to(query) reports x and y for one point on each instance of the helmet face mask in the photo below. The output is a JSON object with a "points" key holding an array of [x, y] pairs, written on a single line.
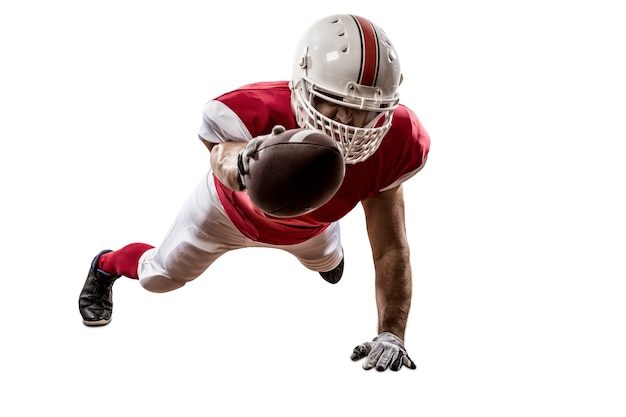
{"points": [[356, 143], [348, 61]]}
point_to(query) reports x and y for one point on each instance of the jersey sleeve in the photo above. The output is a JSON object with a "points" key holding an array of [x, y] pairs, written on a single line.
{"points": [[221, 124], [247, 112], [414, 148]]}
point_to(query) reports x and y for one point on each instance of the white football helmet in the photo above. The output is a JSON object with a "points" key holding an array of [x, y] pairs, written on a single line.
{"points": [[349, 61]]}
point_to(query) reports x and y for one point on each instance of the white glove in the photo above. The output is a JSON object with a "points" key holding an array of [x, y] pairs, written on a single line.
{"points": [[243, 160], [385, 351]]}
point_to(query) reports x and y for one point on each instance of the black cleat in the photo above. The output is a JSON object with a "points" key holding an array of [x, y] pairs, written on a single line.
{"points": [[96, 299], [334, 275]]}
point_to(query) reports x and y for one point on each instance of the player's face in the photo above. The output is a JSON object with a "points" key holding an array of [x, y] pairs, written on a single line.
{"points": [[341, 114]]}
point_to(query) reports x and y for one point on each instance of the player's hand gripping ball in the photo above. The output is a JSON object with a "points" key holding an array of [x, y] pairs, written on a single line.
{"points": [[291, 173]]}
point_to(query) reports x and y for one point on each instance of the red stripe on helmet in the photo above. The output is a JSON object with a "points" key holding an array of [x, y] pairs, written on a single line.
{"points": [[369, 49]]}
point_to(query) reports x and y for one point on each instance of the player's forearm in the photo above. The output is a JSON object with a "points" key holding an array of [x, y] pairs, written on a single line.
{"points": [[224, 162], [393, 291]]}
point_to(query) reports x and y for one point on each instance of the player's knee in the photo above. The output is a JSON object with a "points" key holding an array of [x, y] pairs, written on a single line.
{"points": [[160, 284]]}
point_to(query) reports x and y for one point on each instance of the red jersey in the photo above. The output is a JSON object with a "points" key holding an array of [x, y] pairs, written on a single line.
{"points": [[260, 107]]}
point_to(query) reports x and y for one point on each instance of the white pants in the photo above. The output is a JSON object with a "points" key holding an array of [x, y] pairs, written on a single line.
{"points": [[202, 232]]}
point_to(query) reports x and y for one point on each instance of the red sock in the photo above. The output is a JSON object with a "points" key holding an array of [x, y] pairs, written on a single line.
{"points": [[123, 261]]}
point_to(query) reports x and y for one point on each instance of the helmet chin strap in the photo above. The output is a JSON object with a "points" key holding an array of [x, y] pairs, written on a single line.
{"points": [[372, 119]]}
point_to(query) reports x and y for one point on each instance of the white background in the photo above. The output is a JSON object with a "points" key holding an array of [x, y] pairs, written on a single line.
{"points": [[516, 224]]}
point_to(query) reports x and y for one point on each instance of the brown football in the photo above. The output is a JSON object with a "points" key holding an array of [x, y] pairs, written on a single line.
{"points": [[294, 172]]}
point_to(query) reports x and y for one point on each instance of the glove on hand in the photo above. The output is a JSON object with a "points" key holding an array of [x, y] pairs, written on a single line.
{"points": [[385, 351], [243, 160]]}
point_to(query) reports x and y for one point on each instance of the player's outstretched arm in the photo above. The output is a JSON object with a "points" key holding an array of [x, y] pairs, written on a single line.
{"points": [[229, 160], [224, 162], [384, 215]]}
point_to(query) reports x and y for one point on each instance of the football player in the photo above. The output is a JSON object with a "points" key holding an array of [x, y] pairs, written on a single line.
{"points": [[346, 75]]}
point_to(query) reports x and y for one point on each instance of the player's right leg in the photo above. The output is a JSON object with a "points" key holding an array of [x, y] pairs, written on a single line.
{"points": [[96, 298], [200, 234]]}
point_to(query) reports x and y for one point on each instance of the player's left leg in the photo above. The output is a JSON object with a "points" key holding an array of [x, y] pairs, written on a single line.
{"points": [[323, 253], [334, 275]]}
